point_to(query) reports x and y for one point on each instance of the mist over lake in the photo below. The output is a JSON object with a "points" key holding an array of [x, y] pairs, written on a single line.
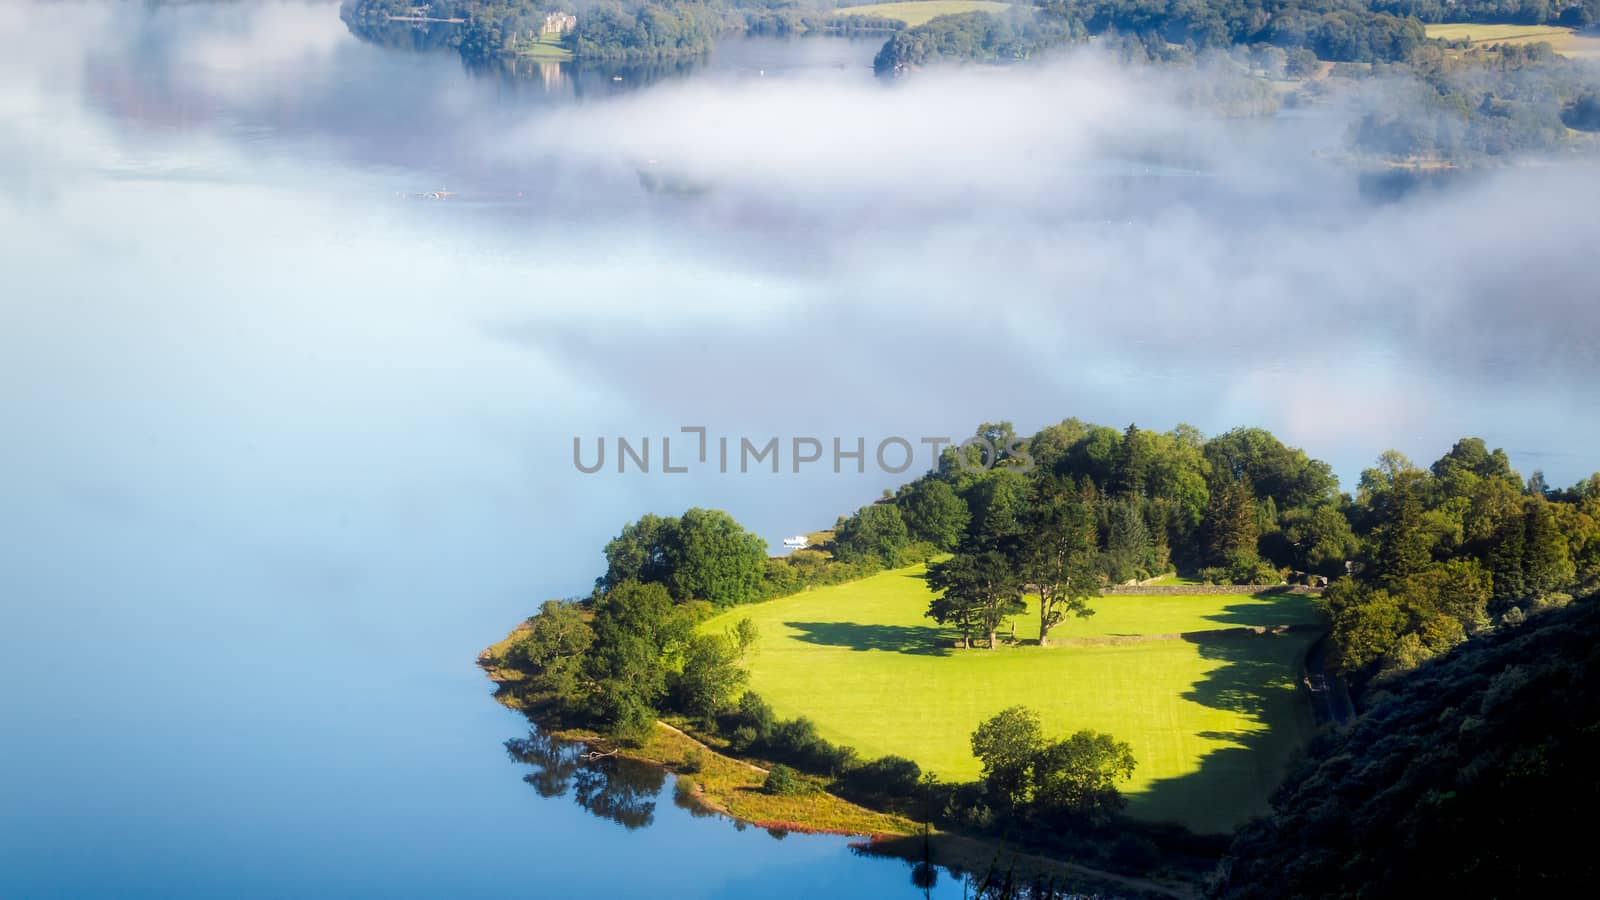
{"points": [[298, 330]]}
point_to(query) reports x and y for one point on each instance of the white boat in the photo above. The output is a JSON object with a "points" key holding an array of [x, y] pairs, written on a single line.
{"points": [[798, 542]]}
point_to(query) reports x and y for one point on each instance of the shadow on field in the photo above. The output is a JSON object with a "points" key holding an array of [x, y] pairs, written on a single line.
{"points": [[1233, 782], [1281, 609], [919, 640]]}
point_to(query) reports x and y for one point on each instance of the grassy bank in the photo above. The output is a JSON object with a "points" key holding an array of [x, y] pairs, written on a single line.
{"points": [[1213, 718]]}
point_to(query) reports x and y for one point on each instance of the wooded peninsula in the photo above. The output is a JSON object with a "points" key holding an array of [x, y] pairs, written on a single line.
{"points": [[1153, 654]]}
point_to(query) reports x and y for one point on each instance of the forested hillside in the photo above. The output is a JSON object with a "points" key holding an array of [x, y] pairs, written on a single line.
{"points": [[1469, 777]]}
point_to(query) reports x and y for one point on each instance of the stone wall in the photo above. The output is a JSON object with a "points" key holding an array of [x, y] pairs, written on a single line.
{"points": [[1211, 589]]}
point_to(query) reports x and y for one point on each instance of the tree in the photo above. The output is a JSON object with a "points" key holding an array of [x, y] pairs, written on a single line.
{"points": [[997, 500], [711, 557], [1365, 625], [1546, 562], [979, 589], [1404, 545], [636, 629], [1230, 522], [1128, 549], [1005, 745], [876, 534], [1077, 776], [1320, 540], [553, 647], [639, 553], [711, 676], [933, 513], [1057, 555]]}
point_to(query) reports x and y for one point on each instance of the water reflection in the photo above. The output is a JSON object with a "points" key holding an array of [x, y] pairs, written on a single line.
{"points": [[620, 790]]}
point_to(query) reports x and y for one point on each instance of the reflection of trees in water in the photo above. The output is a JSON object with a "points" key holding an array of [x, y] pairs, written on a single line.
{"points": [[401, 35], [554, 761], [621, 790]]}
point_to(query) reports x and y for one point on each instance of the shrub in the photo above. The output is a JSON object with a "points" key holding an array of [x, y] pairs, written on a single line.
{"points": [[783, 782], [889, 776], [693, 761]]}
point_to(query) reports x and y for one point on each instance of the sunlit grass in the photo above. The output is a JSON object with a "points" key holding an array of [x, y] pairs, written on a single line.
{"points": [[549, 47], [1566, 41], [1212, 721], [916, 12]]}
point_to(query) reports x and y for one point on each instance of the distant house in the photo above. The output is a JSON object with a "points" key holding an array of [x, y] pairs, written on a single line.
{"points": [[558, 23], [798, 542]]}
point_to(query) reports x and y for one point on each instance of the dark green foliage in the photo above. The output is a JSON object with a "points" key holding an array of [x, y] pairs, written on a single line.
{"points": [[553, 647], [642, 31], [755, 731], [704, 555], [875, 534], [1057, 553], [1317, 540], [783, 782], [1076, 776], [887, 776], [713, 558], [711, 676], [1231, 527], [1064, 781], [933, 513], [639, 553], [636, 629], [977, 37], [1470, 776], [977, 590]]}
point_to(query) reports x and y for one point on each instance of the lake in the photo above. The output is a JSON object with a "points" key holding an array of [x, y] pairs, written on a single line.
{"points": [[298, 330]]}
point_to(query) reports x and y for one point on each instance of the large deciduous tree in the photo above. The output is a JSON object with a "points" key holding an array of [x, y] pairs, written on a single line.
{"points": [[713, 558], [933, 513], [875, 534]]}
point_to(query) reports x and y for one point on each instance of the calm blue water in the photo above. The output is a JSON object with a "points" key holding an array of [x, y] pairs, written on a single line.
{"points": [[285, 446]]}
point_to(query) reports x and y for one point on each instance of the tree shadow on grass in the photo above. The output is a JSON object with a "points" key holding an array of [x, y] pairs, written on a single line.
{"points": [[919, 640], [1279, 609], [1233, 782]]}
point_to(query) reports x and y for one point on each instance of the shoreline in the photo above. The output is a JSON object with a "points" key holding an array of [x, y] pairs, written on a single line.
{"points": [[731, 787]]}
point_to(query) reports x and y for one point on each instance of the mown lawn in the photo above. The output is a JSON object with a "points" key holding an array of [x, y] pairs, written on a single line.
{"points": [[1565, 41], [1212, 720], [916, 12], [547, 47]]}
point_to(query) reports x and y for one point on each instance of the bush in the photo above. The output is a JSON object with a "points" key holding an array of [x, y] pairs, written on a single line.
{"points": [[889, 776], [693, 761], [783, 782]]}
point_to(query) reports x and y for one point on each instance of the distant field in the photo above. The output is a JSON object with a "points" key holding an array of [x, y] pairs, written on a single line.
{"points": [[1212, 720], [916, 12], [548, 47], [1565, 41]]}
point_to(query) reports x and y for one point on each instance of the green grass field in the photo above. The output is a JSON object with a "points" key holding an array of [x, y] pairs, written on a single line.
{"points": [[547, 47], [916, 12], [1212, 720], [1565, 41]]}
